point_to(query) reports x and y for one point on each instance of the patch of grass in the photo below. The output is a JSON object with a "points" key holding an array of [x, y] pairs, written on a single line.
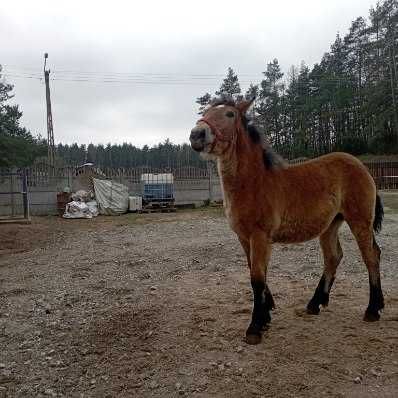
{"points": [[181, 214]]}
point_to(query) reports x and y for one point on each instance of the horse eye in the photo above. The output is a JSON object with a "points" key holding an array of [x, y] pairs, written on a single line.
{"points": [[230, 114]]}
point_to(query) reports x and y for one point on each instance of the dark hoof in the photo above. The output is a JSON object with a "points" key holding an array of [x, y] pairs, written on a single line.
{"points": [[371, 316], [253, 339], [313, 310], [253, 334]]}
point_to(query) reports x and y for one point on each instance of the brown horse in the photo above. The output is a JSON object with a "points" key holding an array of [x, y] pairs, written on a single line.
{"points": [[268, 202]]}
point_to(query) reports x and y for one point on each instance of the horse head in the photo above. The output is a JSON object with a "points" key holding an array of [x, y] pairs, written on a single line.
{"points": [[219, 127]]}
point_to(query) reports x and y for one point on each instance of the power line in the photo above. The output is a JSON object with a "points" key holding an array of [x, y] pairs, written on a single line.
{"points": [[157, 81], [127, 74], [145, 78], [137, 80]]}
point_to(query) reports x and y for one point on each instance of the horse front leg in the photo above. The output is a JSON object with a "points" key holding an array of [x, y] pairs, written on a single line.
{"points": [[263, 302]]}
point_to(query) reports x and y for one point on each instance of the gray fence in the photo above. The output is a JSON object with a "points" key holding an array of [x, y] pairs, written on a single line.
{"points": [[191, 186]]}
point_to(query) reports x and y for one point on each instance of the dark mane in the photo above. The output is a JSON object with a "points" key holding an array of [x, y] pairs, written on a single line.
{"points": [[223, 101], [272, 160]]}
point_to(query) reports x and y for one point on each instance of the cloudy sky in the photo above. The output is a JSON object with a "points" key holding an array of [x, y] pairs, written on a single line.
{"points": [[129, 71]]}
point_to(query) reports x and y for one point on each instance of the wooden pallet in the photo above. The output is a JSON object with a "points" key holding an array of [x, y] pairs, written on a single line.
{"points": [[157, 210], [158, 207]]}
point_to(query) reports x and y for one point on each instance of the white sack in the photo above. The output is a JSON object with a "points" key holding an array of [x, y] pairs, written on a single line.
{"points": [[81, 196], [93, 207], [77, 210]]}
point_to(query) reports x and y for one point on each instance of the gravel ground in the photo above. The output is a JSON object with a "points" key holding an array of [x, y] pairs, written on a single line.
{"points": [[157, 306]]}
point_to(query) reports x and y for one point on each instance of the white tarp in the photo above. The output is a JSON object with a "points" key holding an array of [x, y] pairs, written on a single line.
{"points": [[112, 197]]}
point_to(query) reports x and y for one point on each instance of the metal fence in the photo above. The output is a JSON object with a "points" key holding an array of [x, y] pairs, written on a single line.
{"points": [[385, 173], [191, 185]]}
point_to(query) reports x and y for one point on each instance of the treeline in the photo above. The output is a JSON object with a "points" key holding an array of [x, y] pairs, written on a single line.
{"points": [[347, 102], [164, 155]]}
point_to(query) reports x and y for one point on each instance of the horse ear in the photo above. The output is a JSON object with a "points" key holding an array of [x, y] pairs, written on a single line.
{"points": [[243, 106]]}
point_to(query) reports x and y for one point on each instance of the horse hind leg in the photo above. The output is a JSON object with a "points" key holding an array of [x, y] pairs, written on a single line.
{"points": [[332, 255], [370, 252]]}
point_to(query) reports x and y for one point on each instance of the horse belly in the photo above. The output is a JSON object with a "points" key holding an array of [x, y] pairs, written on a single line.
{"points": [[296, 232]]}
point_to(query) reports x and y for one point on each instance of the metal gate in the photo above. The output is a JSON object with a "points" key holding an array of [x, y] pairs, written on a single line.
{"points": [[14, 196]]}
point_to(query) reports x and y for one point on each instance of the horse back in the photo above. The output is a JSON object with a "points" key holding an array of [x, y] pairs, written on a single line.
{"points": [[314, 192]]}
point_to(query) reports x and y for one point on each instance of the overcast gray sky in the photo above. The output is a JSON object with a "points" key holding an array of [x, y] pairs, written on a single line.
{"points": [[121, 46]]}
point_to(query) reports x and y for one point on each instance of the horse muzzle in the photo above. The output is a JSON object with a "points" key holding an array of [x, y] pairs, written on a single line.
{"points": [[198, 138]]}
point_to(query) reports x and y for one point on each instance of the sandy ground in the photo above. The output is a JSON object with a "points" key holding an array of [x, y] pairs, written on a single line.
{"points": [[157, 306]]}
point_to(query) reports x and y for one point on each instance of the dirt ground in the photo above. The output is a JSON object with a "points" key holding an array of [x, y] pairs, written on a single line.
{"points": [[157, 306]]}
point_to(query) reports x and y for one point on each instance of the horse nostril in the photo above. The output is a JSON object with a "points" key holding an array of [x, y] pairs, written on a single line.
{"points": [[198, 134]]}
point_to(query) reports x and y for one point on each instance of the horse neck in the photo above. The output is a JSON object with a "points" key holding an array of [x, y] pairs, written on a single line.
{"points": [[241, 165]]}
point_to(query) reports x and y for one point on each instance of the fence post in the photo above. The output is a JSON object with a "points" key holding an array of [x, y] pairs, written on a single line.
{"points": [[12, 180], [210, 175], [25, 194], [70, 178]]}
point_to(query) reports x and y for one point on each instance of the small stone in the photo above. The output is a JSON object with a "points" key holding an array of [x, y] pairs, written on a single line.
{"points": [[178, 386], [153, 385], [213, 364], [239, 349], [374, 372], [5, 375], [93, 381], [153, 287], [228, 364], [358, 380], [2, 365]]}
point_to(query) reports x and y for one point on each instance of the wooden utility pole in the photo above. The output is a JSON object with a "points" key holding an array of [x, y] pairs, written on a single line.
{"points": [[50, 131]]}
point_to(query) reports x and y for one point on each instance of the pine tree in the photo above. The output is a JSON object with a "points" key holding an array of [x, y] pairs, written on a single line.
{"points": [[269, 104], [230, 87], [18, 147], [203, 102]]}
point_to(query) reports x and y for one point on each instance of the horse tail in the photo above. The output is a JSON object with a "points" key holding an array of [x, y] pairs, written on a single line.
{"points": [[379, 214]]}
